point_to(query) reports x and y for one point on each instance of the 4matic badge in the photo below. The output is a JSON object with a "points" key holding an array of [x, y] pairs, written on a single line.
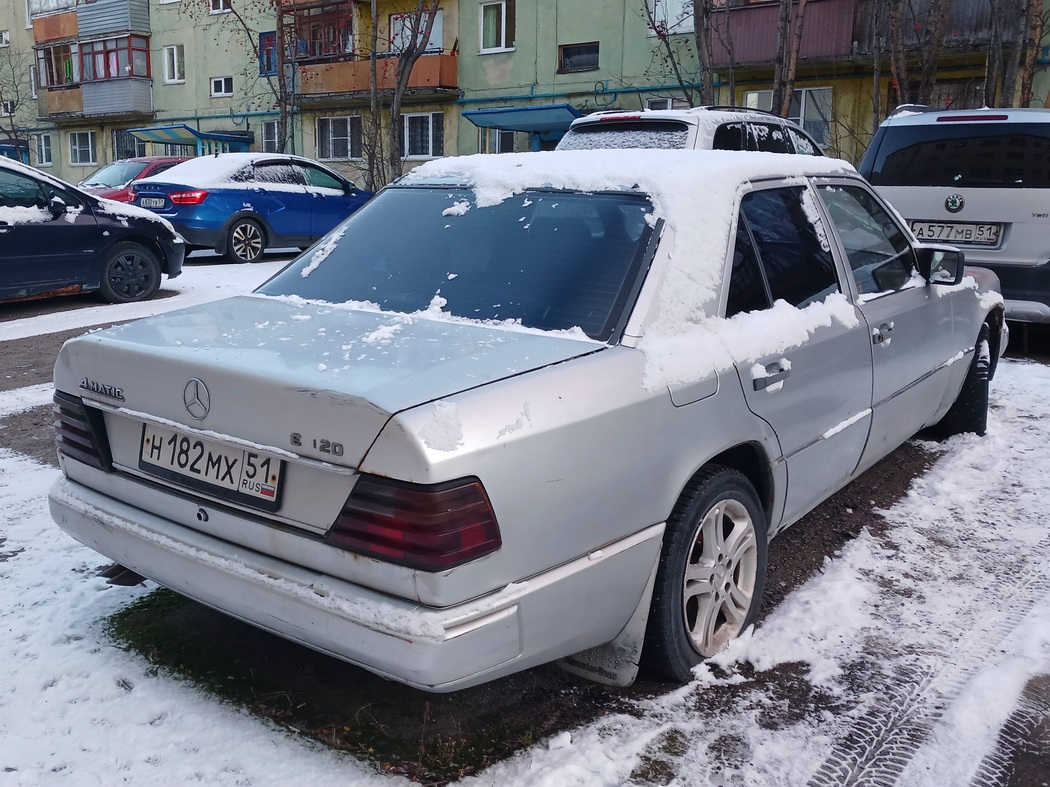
{"points": [[102, 389]]}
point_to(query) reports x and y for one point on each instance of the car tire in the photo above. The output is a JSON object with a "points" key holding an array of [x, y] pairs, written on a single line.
{"points": [[130, 272], [708, 588], [245, 241], [969, 411]]}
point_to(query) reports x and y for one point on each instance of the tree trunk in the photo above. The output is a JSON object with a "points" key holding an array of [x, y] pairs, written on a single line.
{"points": [[779, 80], [898, 61], [702, 33], [1033, 37], [421, 24], [878, 24], [994, 62], [376, 176], [661, 31], [930, 50], [796, 45]]}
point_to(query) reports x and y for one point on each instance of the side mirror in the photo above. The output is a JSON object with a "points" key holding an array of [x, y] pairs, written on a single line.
{"points": [[56, 206], [939, 264]]}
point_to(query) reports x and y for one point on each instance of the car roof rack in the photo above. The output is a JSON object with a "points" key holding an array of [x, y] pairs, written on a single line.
{"points": [[913, 108], [731, 108]]}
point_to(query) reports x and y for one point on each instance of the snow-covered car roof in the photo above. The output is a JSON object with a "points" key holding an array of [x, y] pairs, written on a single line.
{"points": [[920, 115], [216, 168]]}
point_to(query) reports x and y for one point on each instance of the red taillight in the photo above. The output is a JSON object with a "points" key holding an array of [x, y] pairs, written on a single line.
{"points": [[429, 527], [969, 118], [603, 118], [195, 197]]}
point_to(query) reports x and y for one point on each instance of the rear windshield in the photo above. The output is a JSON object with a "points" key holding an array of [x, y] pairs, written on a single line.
{"points": [[626, 134], [987, 155], [553, 260]]}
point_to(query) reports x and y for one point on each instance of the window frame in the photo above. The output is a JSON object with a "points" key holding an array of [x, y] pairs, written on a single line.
{"points": [[762, 99], [5, 38], [491, 140], [104, 56], [324, 32], [354, 131], [271, 132], [41, 146], [219, 7], [174, 56], [91, 148], [224, 93], [8, 108], [268, 53], [397, 37], [437, 120], [48, 67], [504, 14], [563, 50]]}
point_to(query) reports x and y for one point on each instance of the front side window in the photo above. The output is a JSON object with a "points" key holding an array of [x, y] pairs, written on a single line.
{"points": [[339, 138], [423, 135], [879, 254], [319, 178], [82, 148], [20, 191], [43, 150], [174, 64], [112, 58], [58, 65], [221, 86], [791, 245], [553, 260], [497, 26], [577, 57]]}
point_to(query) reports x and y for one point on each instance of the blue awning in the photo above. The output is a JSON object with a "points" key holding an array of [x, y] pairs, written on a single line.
{"points": [[205, 142], [535, 120]]}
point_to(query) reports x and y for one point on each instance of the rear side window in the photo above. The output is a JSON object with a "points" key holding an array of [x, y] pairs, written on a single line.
{"points": [[769, 138], [626, 134], [794, 259], [985, 155]]}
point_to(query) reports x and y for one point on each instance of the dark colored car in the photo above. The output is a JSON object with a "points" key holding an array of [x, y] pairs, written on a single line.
{"points": [[58, 240], [113, 181], [241, 204]]}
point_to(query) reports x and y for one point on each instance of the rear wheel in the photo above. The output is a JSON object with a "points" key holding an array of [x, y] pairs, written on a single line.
{"points": [[712, 573], [245, 241], [130, 272], [969, 412]]}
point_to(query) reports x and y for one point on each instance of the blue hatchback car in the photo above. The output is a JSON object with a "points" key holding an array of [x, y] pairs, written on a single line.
{"points": [[241, 204]]}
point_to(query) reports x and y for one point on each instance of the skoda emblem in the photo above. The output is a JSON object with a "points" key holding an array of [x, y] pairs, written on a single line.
{"points": [[954, 203], [197, 399]]}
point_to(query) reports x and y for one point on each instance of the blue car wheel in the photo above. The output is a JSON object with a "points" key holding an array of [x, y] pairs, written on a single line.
{"points": [[245, 241]]}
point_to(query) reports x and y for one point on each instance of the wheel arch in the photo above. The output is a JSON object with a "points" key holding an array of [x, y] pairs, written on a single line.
{"points": [[146, 241], [751, 461]]}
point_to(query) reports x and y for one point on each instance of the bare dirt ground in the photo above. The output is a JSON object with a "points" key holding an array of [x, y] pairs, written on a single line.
{"points": [[436, 738]]}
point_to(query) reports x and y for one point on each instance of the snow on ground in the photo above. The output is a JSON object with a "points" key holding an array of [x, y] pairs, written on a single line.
{"points": [[949, 613]]}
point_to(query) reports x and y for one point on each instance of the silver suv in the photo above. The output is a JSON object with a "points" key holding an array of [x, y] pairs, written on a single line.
{"points": [[978, 179], [702, 128]]}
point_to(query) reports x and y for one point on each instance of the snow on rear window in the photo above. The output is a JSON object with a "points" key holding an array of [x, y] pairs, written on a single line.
{"points": [[629, 134]]}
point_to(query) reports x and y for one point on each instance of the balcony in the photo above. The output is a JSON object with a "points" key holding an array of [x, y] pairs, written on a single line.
{"points": [[121, 99], [435, 77]]}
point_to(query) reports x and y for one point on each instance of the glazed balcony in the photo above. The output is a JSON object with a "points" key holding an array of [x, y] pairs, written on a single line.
{"points": [[435, 77]]}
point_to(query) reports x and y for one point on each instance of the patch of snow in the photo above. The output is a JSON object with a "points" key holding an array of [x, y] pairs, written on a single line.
{"points": [[444, 432]]}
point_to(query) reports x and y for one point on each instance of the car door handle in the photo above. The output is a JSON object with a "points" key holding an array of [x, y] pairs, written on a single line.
{"points": [[882, 333], [4, 227], [770, 378]]}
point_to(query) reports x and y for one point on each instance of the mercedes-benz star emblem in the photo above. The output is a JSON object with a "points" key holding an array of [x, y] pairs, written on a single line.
{"points": [[954, 203], [197, 399]]}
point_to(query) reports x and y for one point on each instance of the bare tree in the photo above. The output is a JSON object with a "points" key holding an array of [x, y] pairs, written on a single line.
{"points": [[931, 41], [16, 104], [419, 25], [663, 29], [702, 31], [789, 77], [898, 52], [780, 67]]}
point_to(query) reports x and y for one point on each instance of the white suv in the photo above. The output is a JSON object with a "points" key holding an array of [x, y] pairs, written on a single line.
{"points": [[978, 179], [705, 128]]}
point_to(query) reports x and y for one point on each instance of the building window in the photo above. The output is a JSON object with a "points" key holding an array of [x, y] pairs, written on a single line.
{"points": [[32, 82], [112, 58], [497, 26], [675, 17], [58, 65], [423, 135], [43, 150], [400, 32], [271, 136], [220, 6], [811, 108], [267, 54], [221, 86], [5, 38], [495, 140], [126, 145], [324, 31], [174, 64], [339, 138], [666, 103], [171, 149], [577, 57], [7, 108], [82, 148]]}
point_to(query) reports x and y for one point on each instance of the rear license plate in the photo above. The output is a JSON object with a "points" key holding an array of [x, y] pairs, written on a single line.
{"points": [[953, 232], [152, 202], [238, 474]]}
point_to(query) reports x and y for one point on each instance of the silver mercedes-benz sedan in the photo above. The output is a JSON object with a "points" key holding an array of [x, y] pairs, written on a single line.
{"points": [[526, 408]]}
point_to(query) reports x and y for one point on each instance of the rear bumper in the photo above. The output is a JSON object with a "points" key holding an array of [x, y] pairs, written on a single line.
{"points": [[1025, 289], [202, 238], [175, 255], [566, 610]]}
